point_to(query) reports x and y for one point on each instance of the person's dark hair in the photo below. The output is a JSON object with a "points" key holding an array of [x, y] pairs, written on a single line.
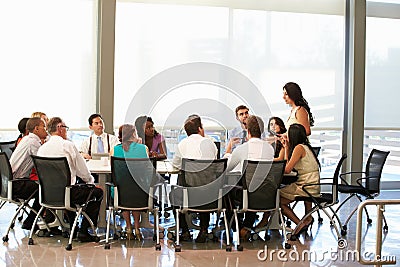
{"points": [[126, 135], [282, 130], [297, 136], [149, 119], [22, 126], [52, 125], [239, 108], [294, 92], [279, 122], [255, 126], [32, 123], [192, 124], [140, 124], [92, 117]]}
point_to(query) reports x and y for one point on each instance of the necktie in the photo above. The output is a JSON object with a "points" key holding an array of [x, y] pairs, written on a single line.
{"points": [[100, 146], [244, 136]]}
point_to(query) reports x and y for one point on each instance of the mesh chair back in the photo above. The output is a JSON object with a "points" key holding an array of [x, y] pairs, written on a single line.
{"points": [[262, 179], [203, 179], [335, 193], [6, 174], [7, 147], [54, 175], [133, 177], [373, 169]]}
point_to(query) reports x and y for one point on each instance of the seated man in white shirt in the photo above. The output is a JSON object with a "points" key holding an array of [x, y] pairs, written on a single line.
{"points": [[59, 146], [195, 146], [254, 149], [99, 141], [22, 164]]}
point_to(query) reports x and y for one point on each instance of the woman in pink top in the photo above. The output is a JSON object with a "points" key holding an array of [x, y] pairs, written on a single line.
{"points": [[154, 141]]}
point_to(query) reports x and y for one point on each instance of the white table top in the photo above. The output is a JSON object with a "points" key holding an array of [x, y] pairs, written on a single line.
{"points": [[99, 166]]}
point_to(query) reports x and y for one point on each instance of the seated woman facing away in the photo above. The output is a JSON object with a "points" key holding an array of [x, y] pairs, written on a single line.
{"points": [[301, 157], [129, 148]]}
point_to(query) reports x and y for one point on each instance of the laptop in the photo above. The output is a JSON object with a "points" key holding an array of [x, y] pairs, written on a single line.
{"points": [[98, 156]]}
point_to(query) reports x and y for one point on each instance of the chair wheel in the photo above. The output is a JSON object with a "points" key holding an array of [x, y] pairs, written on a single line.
{"points": [[292, 237], [228, 248], [287, 246], [240, 248], [210, 236], [369, 221], [96, 239], [68, 247], [30, 241], [342, 243], [344, 227], [166, 215], [343, 232], [5, 238], [65, 234], [178, 248], [254, 236], [20, 218], [288, 223], [320, 220], [385, 228], [158, 247], [107, 246]]}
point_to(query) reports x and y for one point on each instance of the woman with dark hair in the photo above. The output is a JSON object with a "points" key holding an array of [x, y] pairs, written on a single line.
{"points": [[140, 124], [300, 112], [130, 148], [154, 141], [276, 127], [300, 156], [22, 130]]}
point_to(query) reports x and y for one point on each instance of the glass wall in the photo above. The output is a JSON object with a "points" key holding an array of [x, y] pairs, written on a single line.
{"points": [[159, 49], [382, 126], [48, 61]]}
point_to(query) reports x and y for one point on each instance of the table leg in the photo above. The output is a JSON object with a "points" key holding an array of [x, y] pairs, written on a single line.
{"points": [[102, 213]]}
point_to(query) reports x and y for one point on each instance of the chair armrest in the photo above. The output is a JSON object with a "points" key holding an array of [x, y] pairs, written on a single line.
{"points": [[309, 194], [341, 176], [361, 179]]}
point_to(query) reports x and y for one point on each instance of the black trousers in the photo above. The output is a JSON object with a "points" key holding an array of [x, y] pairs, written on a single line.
{"points": [[80, 195], [235, 198], [23, 189]]}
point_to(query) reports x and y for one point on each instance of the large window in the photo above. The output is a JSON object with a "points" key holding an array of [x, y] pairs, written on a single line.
{"points": [[382, 83], [48, 53], [267, 45]]}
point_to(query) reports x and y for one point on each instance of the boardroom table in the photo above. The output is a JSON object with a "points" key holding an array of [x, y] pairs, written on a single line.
{"points": [[103, 169]]}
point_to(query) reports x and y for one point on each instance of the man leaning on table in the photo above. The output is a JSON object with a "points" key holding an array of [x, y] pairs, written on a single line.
{"points": [[59, 146], [99, 141]]}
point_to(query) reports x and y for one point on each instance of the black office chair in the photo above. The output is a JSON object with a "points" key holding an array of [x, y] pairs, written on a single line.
{"points": [[134, 181], [261, 182], [7, 195], [7, 147], [325, 201], [368, 185], [201, 191], [317, 150], [54, 192]]}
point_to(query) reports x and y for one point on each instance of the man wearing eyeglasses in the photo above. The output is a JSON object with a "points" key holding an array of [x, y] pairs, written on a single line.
{"points": [[99, 141], [22, 165], [59, 146]]}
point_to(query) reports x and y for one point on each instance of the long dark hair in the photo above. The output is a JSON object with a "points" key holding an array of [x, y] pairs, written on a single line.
{"points": [[126, 134], [282, 130], [140, 123], [294, 92], [297, 136]]}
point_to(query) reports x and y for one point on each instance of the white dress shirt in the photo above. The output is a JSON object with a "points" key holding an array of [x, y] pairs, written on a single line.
{"points": [[254, 149], [21, 161], [85, 144], [56, 146], [194, 146]]}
